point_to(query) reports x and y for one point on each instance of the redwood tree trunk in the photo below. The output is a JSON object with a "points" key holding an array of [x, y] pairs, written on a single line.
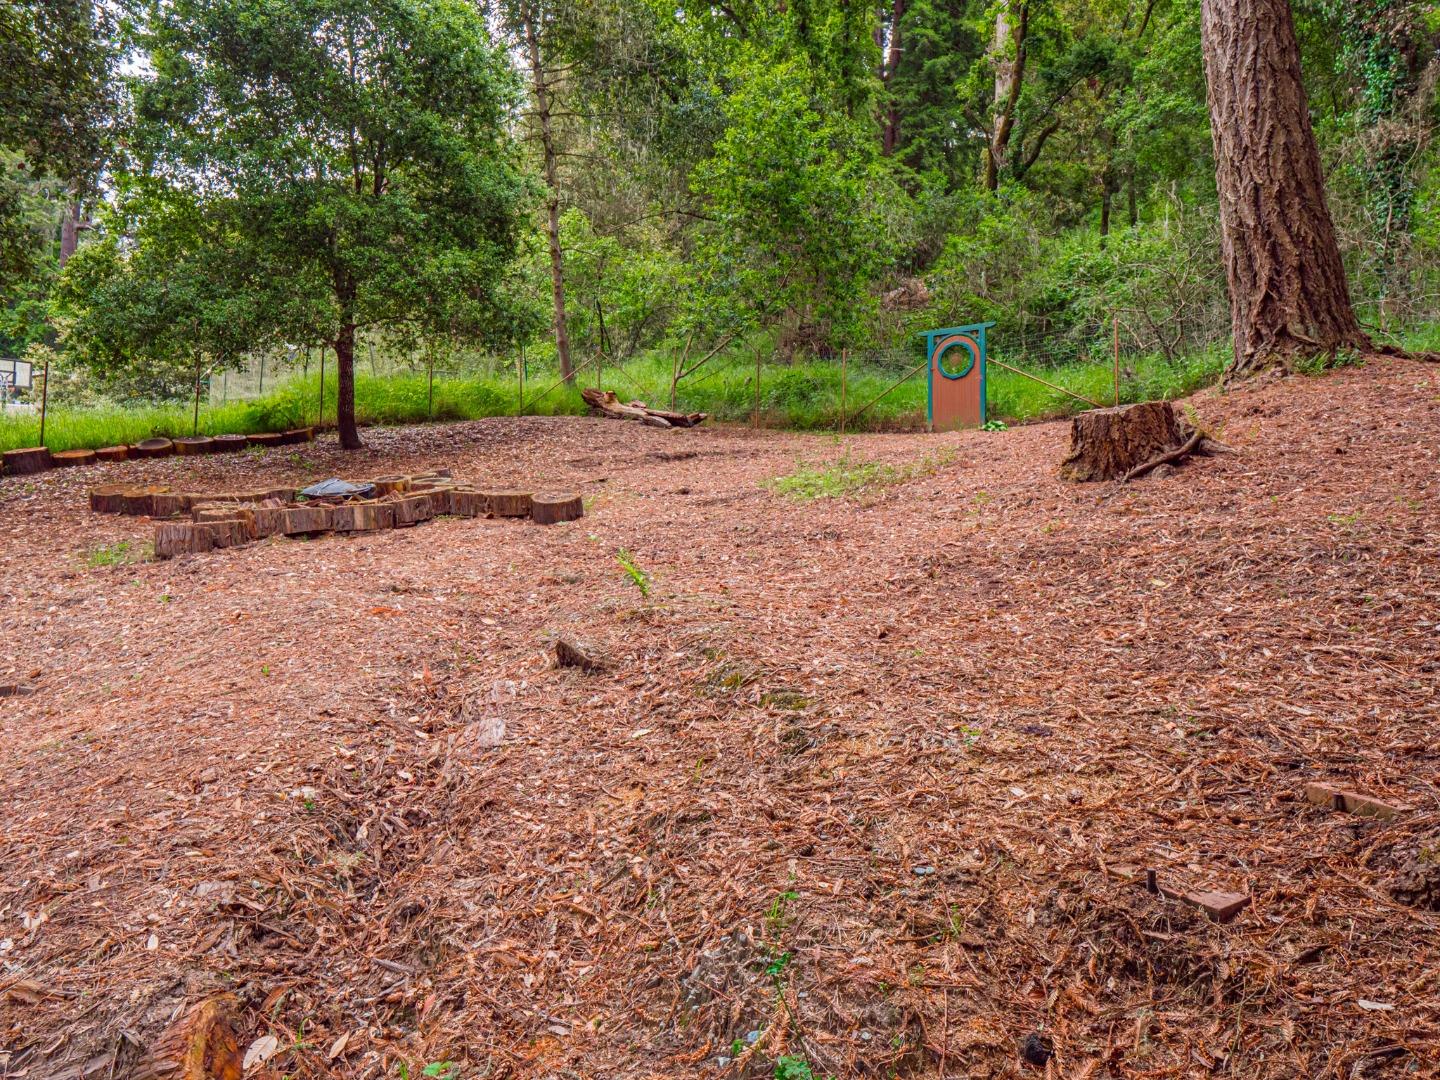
{"points": [[1288, 294], [1012, 20]]}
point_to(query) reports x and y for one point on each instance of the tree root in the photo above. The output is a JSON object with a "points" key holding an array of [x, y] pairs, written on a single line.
{"points": [[1185, 449]]}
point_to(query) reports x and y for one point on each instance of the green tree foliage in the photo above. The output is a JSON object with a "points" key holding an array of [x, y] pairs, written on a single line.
{"points": [[303, 169]]}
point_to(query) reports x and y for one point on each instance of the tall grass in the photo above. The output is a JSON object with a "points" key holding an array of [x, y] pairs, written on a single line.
{"points": [[801, 396]]}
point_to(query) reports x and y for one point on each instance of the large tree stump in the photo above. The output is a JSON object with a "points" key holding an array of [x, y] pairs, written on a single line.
{"points": [[1105, 444], [112, 453], [63, 459], [203, 1044], [550, 509], [149, 448], [22, 462]]}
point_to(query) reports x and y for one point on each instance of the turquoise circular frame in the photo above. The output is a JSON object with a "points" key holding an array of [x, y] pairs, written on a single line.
{"points": [[972, 349]]}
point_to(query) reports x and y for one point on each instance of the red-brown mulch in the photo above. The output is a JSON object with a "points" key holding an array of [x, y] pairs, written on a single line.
{"points": [[846, 789]]}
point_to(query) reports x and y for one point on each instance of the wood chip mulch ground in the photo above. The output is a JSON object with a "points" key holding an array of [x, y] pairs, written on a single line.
{"points": [[845, 787]]}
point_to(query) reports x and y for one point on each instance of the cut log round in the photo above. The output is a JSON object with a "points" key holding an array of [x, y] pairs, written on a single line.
{"points": [[1105, 444], [507, 503], [63, 459], [224, 444], [549, 509], [284, 494], [112, 453], [298, 435], [362, 516], [191, 445], [307, 519], [23, 462], [181, 538], [139, 501], [152, 448], [266, 438], [164, 504], [108, 498], [268, 520], [204, 1044], [467, 502], [391, 485], [412, 509]]}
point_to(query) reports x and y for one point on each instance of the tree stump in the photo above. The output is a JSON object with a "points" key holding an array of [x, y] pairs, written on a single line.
{"points": [[412, 509], [508, 503], [152, 448], [112, 453], [181, 538], [266, 438], [164, 504], [23, 462], [64, 459], [467, 502], [108, 498], [1105, 444], [391, 485], [202, 1045], [550, 509], [307, 519], [225, 444], [194, 444], [362, 516], [139, 501]]}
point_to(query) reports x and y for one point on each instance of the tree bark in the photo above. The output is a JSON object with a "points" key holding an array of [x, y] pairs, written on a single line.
{"points": [[1288, 295], [1011, 26], [552, 188], [1106, 444], [345, 385], [890, 133], [69, 232]]}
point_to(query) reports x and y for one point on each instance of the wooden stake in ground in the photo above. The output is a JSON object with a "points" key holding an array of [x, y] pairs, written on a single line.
{"points": [[1105, 444], [549, 509]]}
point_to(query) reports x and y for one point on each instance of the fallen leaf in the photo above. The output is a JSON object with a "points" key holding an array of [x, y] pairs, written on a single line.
{"points": [[1375, 1006], [260, 1051], [337, 1047]]}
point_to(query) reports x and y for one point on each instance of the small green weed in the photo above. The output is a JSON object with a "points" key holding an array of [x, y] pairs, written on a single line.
{"points": [[638, 576], [120, 553], [995, 425]]}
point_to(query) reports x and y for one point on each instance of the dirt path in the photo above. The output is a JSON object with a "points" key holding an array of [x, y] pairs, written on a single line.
{"points": [[846, 793]]}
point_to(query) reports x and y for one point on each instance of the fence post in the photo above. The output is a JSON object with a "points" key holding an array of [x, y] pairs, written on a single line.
{"points": [[262, 374], [320, 421], [44, 397], [1117, 360], [520, 366], [195, 424], [844, 356], [757, 387]]}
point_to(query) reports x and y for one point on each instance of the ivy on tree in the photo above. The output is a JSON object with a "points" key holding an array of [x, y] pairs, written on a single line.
{"points": [[339, 164]]}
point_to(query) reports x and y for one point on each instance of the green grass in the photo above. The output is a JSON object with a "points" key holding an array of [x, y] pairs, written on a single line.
{"points": [[803, 396], [850, 477]]}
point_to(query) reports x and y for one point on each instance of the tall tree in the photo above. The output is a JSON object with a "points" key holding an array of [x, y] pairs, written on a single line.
{"points": [[350, 160], [1008, 55], [1288, 294]]}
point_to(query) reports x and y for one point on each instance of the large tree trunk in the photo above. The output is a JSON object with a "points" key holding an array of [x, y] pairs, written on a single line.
{"points": [[890, 132], [345, 387], [552, 187], [1012, 21], [69, 232], [1288, 294]]}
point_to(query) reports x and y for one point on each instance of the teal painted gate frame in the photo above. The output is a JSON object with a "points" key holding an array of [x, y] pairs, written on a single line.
{"points": [[932, 337]]}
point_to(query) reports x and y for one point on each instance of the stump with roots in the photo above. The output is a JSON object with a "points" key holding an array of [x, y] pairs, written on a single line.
{"points": [[1120, 443], [203, 1044]]}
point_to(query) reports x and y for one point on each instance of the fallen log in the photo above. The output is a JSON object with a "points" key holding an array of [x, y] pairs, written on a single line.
{"points": [[550, 509], [606, 403], [33, 459]]}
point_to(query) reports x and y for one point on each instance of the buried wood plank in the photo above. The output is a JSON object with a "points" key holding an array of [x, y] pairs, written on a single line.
{"points": [[1353, 802], [1219, 906]]}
